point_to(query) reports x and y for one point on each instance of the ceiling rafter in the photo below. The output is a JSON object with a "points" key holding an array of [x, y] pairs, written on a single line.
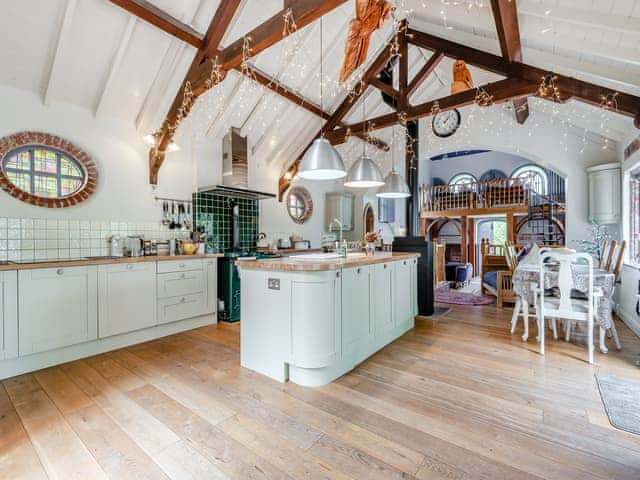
{"points": [[569, 87], [262, 37], [286, 92], [505, 14], [172, 60], [148, 12], [215, 32], [115, 65], [63, 35], [501, 91], [340, 112]]}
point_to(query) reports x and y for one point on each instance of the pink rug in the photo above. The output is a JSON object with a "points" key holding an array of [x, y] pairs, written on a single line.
{"points": [[462, 298]]}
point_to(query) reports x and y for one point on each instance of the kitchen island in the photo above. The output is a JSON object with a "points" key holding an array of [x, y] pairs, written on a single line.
{"points": [[312, 318]]}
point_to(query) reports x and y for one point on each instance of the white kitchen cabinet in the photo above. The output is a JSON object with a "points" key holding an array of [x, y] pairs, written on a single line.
{"points": [[173, 309], [57, 308], [605, 202], [414, 285], [338, 205], [177, 284], [402, 288], [8, 314], [127, 297], [211, 285], [381, 298], [315, 301], [357, 328]]}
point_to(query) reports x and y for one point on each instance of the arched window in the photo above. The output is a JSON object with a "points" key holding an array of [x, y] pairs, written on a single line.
{"points": [[532, 176], [462, 179], [45, 170]]}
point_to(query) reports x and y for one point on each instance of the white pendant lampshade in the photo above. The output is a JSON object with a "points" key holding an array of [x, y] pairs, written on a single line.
{"points": [[364, 173], [395, 186], [321, 161]]}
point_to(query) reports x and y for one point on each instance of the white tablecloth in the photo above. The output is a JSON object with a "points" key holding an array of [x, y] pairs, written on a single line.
{"points": [[527, 276]]}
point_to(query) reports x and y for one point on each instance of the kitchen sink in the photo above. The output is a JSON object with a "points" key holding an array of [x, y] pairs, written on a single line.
{"points": [[319, 257]]}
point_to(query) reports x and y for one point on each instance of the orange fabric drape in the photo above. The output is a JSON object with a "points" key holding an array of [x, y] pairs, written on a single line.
{"points": [[370, 15]]}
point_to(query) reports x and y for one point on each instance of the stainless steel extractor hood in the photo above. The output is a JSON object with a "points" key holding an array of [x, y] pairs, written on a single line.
{"points": [[235, 170]]}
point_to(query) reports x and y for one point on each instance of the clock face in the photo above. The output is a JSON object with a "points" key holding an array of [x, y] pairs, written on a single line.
{"points": [[445, 124]]}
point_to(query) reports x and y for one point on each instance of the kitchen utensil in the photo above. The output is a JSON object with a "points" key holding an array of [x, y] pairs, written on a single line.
{"points": [[173, 223], [116, 246], [165, 214], [188, 218]]}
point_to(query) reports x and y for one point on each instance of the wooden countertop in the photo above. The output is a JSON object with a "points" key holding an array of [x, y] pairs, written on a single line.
{"points": [[286, 251], [83, 262], [292, 264]]}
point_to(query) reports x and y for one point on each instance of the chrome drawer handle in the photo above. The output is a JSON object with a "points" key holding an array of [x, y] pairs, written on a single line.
{"points": [[60, 271], [337, 274], [385, 265], [359, 270], [182, 300], [405, 262], [183, 276]]}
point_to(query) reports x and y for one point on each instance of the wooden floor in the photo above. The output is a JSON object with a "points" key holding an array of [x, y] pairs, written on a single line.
{"points": [[456, 398]]}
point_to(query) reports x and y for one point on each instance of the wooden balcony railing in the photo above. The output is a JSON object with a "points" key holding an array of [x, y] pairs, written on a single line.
{"points": [[504, 192]]}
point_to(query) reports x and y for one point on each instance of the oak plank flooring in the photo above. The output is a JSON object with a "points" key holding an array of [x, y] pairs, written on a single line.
{"points": [[458, 397]]}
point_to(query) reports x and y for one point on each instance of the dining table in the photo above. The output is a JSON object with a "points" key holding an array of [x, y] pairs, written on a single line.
{"points": [[526, 284]]}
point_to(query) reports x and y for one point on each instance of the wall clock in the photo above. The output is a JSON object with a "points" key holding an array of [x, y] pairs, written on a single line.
{"points": [[445, 124]]}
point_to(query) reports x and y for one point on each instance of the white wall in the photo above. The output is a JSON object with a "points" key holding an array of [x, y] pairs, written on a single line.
{"points": [[628, 288], [123, 192], [475, 164], [540, 140]]}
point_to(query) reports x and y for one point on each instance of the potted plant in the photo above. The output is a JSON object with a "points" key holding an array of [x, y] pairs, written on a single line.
{"points": [[371, 238]]}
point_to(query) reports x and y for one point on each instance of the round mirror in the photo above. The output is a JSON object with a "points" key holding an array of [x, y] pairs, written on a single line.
{"points": [[299, 204]]}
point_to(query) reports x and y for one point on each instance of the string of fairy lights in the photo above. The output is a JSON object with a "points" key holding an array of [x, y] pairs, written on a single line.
{"points": [[259, 110]]}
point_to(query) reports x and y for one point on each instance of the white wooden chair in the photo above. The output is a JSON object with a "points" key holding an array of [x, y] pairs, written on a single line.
{"points": [[563, 306]]}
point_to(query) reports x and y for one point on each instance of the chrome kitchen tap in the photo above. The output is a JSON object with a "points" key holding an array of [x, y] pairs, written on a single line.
{"points": [[342, 248]]}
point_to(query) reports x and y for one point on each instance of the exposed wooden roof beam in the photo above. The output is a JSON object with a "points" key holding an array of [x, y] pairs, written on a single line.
{"points": [[505, 14], [502, 91], [262, 37], [340, 112], [569, 87], [282, 90], [215, 32], [148, 12], [384, 87]]}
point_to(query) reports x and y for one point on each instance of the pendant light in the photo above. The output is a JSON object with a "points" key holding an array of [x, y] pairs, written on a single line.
{"points": [[395, 186], [321, 161], [364, 173]]}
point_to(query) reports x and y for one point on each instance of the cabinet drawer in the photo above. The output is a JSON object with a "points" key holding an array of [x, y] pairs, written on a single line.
{"points": [[181, 265], [179, 308], [180, 283]]}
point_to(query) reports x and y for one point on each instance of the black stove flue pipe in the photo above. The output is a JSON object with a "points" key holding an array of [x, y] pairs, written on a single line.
{"points": [[413, 242]]}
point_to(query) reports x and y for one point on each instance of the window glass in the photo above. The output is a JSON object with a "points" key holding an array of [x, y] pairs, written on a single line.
{"points": [[43, 172], [534, 177]]}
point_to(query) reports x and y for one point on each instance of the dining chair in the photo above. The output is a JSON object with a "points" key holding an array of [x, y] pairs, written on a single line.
{"points": [[563, 305]]}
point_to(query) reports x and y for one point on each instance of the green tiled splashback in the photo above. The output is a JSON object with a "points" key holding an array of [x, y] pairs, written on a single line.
{"points": [[213, 212]]}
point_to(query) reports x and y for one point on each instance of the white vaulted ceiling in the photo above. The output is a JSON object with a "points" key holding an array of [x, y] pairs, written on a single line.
{"points": [[93, 54]]}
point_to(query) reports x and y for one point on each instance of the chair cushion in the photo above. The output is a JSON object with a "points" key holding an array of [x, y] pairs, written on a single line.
{"points": [[491, 279], [578, 295], [522, 253]]}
